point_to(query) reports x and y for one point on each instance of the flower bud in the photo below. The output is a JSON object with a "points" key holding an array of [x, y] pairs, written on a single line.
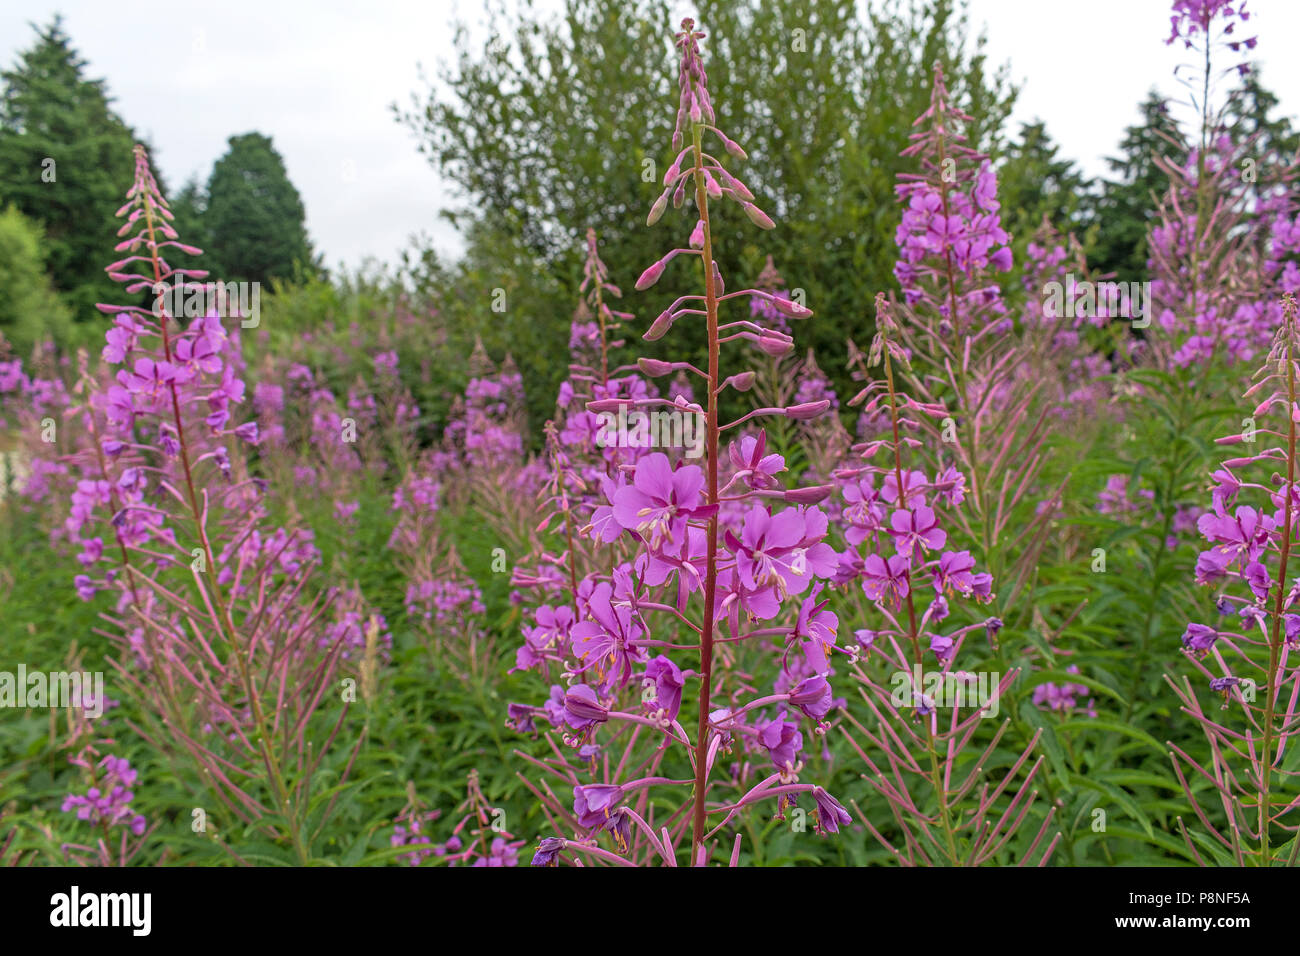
{"points": [[650, 276], [660, 326], [657, 210], [791, 308], [774, 344], [758, 217], [732, 147], [654, 367], [742, 382], [809, 496], [807, 410]]}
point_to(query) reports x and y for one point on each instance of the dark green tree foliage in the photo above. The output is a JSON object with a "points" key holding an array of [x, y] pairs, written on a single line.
{"points": [[254, 221], [188, 206], [559, 125], [1250, 113], [64, 157], [1127, 199], [1034, 181], [30, 311]]}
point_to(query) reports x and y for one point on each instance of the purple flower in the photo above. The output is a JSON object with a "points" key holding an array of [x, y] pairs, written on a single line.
{"points": [[1243, 535], [812, 695], [660, 500], [783, 742], [914, 486], [941, 646], [917, 531], [831, 815], [751, 458], [886, 580], [954, 572], [1199, 638], [815, 621], [608, 640], [592, 804], [782, 550], [548, 852], [582, 709], [667, 680]]}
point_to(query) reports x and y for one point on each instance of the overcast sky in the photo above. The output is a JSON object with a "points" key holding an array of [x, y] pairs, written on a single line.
{"points": [[318, 77]]}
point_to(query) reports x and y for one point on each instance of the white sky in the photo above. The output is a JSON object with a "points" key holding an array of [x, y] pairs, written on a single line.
{"points": [[318, 78]]}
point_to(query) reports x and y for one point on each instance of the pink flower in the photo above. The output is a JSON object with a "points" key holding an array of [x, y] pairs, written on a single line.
{"points": [[886, 580], [916, 531], [660, 500]]}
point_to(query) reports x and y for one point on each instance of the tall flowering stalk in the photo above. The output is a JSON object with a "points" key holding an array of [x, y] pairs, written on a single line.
{"points": [[690, 536], [229, 651], [1227, 224], [710, 179], [910, 676], [1248, 562], [959, 329]]}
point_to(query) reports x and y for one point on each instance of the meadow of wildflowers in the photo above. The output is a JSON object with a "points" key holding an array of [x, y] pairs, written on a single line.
{"points": [[1022, 595]]}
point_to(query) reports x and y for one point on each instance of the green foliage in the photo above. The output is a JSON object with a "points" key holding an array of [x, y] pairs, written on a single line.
{"points": [[254, 220], [65, 156], [534, 131], [30, 311], [1127, 201]]}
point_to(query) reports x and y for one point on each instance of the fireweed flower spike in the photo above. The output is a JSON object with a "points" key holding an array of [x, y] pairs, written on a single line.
{"points": [[956, 326], [1251, 561], [1219, 242], [228, 648], [909, 577], [693, 552]]}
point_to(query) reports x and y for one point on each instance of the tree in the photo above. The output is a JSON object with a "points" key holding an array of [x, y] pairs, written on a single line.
{"points": [[1034, 182], [254, 221], [30, 311], [188, 207], [1127, 200], [67, 162], [558, 124]]}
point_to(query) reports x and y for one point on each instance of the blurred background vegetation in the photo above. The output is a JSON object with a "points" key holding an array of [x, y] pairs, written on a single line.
{"points": [[532, 129]]}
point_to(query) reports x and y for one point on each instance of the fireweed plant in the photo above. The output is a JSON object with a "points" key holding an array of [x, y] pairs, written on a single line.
{"points": [[1242, 792], [713, 575], [1225, 228], [924, 711], [232, 654], [959, 328], [1220, 249]]}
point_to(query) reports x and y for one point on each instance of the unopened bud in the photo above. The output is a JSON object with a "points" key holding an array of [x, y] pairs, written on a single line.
{"points": [[807, 410], [791, 308], [742, 382], [775, 345], [650, 276], [809, 496], [758, 217], [660, 326], [657, 210]]}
